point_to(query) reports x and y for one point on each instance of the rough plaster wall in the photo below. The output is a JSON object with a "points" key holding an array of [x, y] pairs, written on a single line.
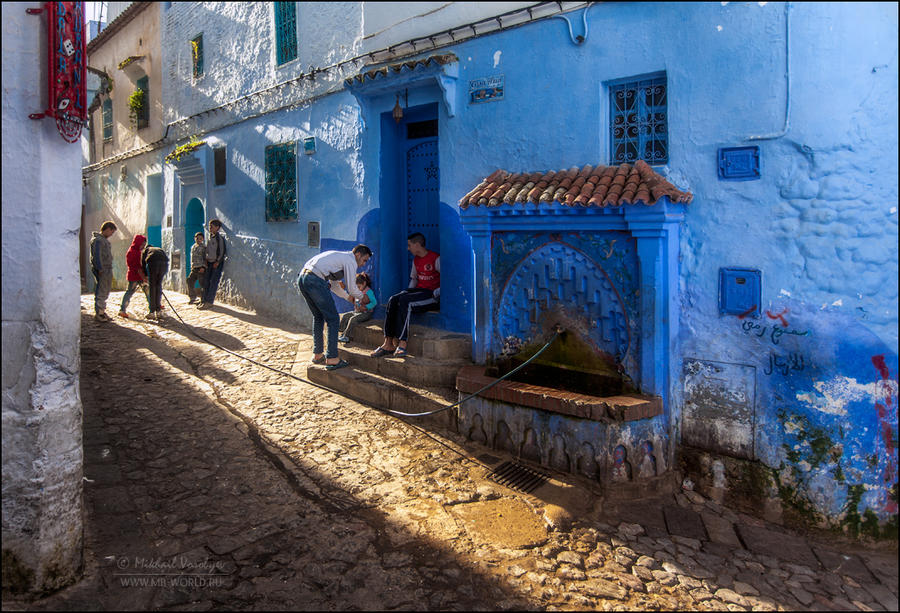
{"points": [[42, 455], [236, 64], [821, 225], [140, 37], [122, 200]]}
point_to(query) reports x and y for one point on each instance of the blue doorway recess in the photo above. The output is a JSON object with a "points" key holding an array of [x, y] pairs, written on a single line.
{"points": [[154, 210], [194, 221], [410, 191]]}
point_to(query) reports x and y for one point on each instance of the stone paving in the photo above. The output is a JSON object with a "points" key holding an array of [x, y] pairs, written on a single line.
{"points": [[214, 483]]}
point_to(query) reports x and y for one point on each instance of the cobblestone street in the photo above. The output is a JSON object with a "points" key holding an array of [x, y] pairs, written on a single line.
{"points": [[213, 483]]}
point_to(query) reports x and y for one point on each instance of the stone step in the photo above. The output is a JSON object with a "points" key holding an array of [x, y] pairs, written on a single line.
{"points": [[430, 343], [411, 370], [387, 394]]}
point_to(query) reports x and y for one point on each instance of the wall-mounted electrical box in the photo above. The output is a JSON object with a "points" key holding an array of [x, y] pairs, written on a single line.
{"points": [[740, 291], [739, 163], [312, 234]]}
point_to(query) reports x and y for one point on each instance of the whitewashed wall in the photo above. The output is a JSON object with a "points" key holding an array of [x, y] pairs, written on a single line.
{"points": [[42, 455]]}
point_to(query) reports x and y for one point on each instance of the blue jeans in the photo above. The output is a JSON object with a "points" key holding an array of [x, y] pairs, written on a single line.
{"points": [[317, 294], [132, 286], [212, 278]]}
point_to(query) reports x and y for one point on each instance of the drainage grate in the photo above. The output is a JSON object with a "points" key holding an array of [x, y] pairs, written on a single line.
{"points": [[518, 477]]}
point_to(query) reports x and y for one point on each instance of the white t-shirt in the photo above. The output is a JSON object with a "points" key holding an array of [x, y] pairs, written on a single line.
{"points": [[337, 266]]}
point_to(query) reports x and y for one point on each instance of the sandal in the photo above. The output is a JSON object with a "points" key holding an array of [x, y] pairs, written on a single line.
{"points": [[380, 352], [318, 360], [400, 352], [341, 363]]}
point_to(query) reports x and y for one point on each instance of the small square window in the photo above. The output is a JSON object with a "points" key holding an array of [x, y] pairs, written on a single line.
{"points": [[638, 121]]}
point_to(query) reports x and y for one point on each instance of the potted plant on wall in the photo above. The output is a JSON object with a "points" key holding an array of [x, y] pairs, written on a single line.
{"points": [[136, 103]]}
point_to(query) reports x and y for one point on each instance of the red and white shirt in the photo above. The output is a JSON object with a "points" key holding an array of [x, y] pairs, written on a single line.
{"points": [[426, 272]]}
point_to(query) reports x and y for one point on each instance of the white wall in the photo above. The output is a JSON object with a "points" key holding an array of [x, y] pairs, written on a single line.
{"points": [[42, 455]]}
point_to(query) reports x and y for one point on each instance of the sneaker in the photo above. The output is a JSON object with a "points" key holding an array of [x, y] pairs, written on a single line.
{"points": [[343, 339], [192, 301], [151, 315], [101, 317], [123, 314], [203, 306]]}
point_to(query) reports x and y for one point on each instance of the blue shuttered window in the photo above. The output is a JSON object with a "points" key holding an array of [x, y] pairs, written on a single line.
{"points": [[107, 119], [281, 182], [286, 31], [639, 121], [197, 56], [143, 118]]}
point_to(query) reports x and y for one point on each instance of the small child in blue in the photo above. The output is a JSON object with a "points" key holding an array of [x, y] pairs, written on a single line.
{"points": [[362, 311]]}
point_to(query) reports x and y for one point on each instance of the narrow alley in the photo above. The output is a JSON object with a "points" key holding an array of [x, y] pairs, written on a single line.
{"points": [[213, 483]]}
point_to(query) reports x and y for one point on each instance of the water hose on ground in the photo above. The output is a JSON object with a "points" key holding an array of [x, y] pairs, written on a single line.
{"points": [[556, 333]]}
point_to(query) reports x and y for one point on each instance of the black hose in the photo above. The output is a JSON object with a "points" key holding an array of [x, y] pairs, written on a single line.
{"points": [[399, 413]]}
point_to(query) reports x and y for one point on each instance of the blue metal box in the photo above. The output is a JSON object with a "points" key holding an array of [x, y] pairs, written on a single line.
{"points": [[740, 291]]}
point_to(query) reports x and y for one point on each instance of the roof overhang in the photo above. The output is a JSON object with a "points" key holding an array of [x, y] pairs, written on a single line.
{"points": [[442, 70]]}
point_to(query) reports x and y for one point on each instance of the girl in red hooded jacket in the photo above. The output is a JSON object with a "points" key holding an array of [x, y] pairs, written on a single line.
{"points": [[136, 276]]}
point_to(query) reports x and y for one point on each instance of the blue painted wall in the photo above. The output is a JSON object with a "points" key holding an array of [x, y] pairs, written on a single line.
{"points": [[820, 223]]}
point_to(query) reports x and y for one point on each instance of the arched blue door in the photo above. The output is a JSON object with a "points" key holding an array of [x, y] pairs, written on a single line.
{"points": [[194, 221]]}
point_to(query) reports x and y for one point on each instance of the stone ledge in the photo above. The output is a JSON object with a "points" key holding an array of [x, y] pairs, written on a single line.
{"points": [[470, 379]]}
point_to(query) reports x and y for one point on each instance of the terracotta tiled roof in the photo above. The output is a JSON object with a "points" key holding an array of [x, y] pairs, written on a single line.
{"points": [[403, 66], [591, 186]]}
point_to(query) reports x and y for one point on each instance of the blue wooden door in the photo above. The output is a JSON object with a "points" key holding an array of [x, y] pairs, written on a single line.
{"points": [[423, 192], [193, 222]]}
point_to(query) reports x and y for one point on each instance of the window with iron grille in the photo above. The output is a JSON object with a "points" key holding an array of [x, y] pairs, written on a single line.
{"points": [[107, 119], [286, 31], [639, 120], [219, 159], [197, 56], [143, 118], [281, 182]]}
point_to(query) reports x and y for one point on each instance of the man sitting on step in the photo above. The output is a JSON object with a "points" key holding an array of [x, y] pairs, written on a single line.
{"points": [[423, 294]]}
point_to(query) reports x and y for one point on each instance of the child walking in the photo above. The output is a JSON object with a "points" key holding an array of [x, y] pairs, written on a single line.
{"points": [[198, 269], [136, 277], [101, 266], [362, 310]]}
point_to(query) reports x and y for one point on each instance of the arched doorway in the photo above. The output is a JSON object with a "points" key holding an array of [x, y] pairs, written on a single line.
{"points": [[194, 221]]}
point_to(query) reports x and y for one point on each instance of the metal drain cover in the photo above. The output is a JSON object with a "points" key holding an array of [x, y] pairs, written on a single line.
{"points": [[517, 476]]}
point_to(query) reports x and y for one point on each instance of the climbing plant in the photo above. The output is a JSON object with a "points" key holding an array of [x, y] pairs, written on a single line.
{"points": [[186, 149], [136, 102]]}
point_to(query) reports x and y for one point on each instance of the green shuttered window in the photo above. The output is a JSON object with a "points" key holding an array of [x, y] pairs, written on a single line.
{"points": [[107, 119], [286, 31], [143, 118], [197, 56], [281, 182]]}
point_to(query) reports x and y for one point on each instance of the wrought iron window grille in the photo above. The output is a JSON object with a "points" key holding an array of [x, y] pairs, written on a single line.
{"points": [[639, 121], [285, 31], [281, 182]]}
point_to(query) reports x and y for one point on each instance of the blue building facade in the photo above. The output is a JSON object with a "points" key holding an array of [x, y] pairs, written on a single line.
{"points": [[780, 119]]}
